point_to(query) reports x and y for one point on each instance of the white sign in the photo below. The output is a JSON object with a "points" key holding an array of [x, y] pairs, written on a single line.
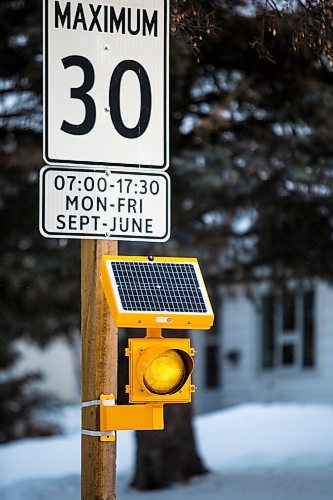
{"points": [[95, 204], [106, 83]]}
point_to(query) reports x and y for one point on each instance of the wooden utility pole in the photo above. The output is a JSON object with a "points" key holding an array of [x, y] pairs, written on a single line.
{"points": [[99, 372]]}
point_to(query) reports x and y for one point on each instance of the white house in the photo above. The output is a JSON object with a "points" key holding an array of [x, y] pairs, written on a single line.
{"points": [[270, 347], [59, 365]]}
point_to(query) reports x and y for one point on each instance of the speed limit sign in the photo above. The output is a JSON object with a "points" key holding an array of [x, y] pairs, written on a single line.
{"points": [[106, 83]]}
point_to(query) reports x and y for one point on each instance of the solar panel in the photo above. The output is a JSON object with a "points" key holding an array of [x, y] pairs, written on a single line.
{"points": [[158, 287], [164, 292]]}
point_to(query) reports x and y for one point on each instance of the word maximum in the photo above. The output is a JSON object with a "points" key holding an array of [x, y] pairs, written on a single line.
{"points": [[106, 19]]}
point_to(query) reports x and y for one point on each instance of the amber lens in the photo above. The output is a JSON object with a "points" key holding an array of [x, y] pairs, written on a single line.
{"points": [[166, 373]]}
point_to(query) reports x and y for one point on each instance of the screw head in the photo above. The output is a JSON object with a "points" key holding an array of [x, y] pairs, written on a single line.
{"points": [[107, 109], [106, 47], [107, 234]]}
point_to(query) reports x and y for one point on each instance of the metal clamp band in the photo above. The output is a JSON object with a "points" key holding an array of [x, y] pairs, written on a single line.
{"points": [[86, 432], [104, 401], [97, 402]]}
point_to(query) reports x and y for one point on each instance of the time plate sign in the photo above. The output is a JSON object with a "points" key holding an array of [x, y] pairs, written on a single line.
{"points": [[106, 83], [104, 204]]}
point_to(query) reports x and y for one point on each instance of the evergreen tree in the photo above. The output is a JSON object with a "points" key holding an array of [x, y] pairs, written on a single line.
{"points": [[39, 285]]}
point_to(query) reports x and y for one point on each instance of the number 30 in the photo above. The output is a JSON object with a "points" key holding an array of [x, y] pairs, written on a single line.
{"points": [[81, 93]]}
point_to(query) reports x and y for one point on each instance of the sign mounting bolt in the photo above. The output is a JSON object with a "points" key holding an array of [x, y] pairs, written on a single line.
{"points": [[107, 234], [106, 109], [106, 47]]}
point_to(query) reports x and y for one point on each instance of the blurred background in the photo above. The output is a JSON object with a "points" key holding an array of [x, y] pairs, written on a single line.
{"points": [[251, 99]]}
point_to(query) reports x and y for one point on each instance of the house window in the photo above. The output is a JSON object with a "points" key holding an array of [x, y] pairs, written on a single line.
{"points": [[288, 331], [212, 366]]}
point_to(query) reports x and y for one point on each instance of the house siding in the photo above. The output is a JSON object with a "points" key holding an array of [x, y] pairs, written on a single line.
{"points": [[246, 381], [58, 365]]}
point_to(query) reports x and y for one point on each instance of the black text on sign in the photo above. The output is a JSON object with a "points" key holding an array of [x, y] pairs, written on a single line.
{"points": [[88, 203]]}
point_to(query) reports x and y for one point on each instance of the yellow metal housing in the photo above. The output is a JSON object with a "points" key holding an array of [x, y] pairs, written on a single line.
{"points": [[128, 417], [155, 319], [160, 370]]}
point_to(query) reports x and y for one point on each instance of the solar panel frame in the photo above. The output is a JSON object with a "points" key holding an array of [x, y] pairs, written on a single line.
{"points": [[176, 283]]}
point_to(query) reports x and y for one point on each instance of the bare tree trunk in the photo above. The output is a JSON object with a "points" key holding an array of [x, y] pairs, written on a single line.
{"points": [[168, 456]]}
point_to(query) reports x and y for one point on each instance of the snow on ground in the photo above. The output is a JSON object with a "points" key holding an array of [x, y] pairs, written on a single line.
{"points": [[256, 452]]}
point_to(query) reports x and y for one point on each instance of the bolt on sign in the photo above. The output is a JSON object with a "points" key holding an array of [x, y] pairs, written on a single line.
{"points": [[106, 83], [104, 204]]}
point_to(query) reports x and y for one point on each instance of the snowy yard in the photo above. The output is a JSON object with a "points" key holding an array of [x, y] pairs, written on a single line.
{"points": [[253, 451]]}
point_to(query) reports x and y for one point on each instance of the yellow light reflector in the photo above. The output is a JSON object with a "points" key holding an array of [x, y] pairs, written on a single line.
{"points": [[164, 371], [160, 370]]}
